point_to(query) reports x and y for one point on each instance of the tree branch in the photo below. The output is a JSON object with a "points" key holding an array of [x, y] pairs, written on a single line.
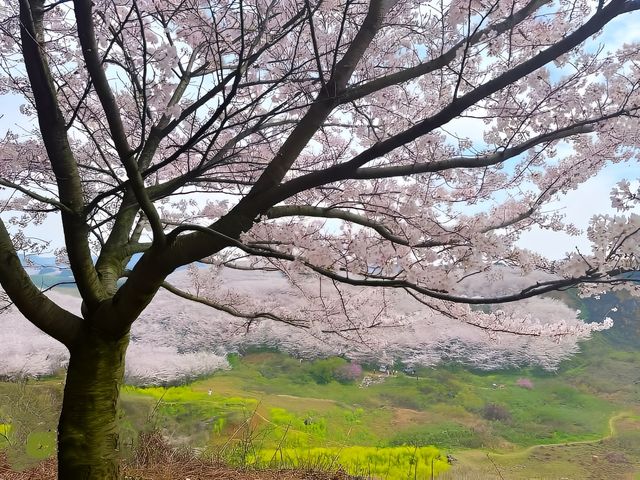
{"points": [[325, 102], [240, 218], [352, 170], [86, 35], [359, 91], [231, 310], [32, 303], [325, 212], [536, 289], [253, 316], [60, 206], [54, 135]]}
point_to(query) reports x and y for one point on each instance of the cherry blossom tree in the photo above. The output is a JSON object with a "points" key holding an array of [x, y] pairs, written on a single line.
{"points": [[317, 138], [174, 340]]}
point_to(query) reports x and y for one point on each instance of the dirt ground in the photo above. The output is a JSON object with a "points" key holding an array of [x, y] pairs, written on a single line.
{"points": [[191, 469]]}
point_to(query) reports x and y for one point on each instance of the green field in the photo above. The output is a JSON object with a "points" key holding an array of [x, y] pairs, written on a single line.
{"points": [[271, 408]]}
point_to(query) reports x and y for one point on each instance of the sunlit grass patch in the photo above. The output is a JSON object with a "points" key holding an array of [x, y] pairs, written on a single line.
{"points": [[443, 406], [185, 400], [299, 431], [386, 463], [186, 394], [266, 404], [5, 432], [445, 435], [41, 445]]}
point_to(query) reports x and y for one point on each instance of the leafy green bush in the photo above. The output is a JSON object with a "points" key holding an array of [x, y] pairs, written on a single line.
{"points": [[323, 371], [280, 365]]}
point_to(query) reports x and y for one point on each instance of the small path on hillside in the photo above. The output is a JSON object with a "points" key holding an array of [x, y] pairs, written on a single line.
{"points": [[326, 400], [612, 433], [578, 459]]}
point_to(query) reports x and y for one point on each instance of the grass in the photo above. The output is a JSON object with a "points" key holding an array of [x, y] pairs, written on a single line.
{"points": [[446, 400], [441, 407], [273, 406], [383, 463], [154, 459], [615, 457]]}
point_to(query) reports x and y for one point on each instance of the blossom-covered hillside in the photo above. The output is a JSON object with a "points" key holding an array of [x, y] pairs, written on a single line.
{"points": [[177, 339]]}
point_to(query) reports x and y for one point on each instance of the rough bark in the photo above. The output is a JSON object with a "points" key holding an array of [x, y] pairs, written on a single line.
{"points": [[88, 442]]}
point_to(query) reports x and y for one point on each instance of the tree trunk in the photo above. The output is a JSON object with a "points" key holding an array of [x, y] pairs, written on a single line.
{"points": [[87, 432]]}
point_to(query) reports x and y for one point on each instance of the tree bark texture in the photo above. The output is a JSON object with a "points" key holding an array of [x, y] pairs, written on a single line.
{"points": [[88, 441]]}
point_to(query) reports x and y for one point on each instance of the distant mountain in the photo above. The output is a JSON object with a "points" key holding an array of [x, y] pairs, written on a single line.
{"points": [[36, 260], [624, 309], [45, 265]]}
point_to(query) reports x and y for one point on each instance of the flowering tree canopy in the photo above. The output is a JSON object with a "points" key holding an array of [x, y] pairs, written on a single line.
{"points": [[174, 340], [319, 138], [323, 135]]}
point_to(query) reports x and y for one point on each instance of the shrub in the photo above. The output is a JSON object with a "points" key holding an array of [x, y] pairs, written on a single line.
{"points": [[525, 383], [348, 373], [495, 411], [322, 371]]}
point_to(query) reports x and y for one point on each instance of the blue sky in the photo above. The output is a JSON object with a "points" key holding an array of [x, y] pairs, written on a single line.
{"points": [[11, 118], [593, 196]]}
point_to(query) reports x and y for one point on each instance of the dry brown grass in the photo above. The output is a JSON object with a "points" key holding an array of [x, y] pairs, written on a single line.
{"points": [[193, 469], [45, 470], [154, 459]]}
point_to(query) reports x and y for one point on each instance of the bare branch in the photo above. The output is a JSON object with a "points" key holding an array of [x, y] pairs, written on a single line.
{"points": [[83, 11], [232, 310], [36, 196]]}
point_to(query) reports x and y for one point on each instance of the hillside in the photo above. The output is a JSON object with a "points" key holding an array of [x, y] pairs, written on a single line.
{"points": [[176, 340], [268, 404]]}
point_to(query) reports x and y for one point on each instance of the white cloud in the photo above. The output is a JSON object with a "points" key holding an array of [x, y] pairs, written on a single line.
{"points": [[578, 206], [469, 127], [621, 30], [10, 116]]}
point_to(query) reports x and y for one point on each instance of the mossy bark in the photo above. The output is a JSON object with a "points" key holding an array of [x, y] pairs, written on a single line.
{"points": [[88, 444]]}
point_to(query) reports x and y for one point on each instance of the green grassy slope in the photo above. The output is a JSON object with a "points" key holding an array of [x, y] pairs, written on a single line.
{"points": [[271, 406]]}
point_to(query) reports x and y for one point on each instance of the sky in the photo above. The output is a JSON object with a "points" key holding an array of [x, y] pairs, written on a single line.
{"points": [[590, 198]]}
